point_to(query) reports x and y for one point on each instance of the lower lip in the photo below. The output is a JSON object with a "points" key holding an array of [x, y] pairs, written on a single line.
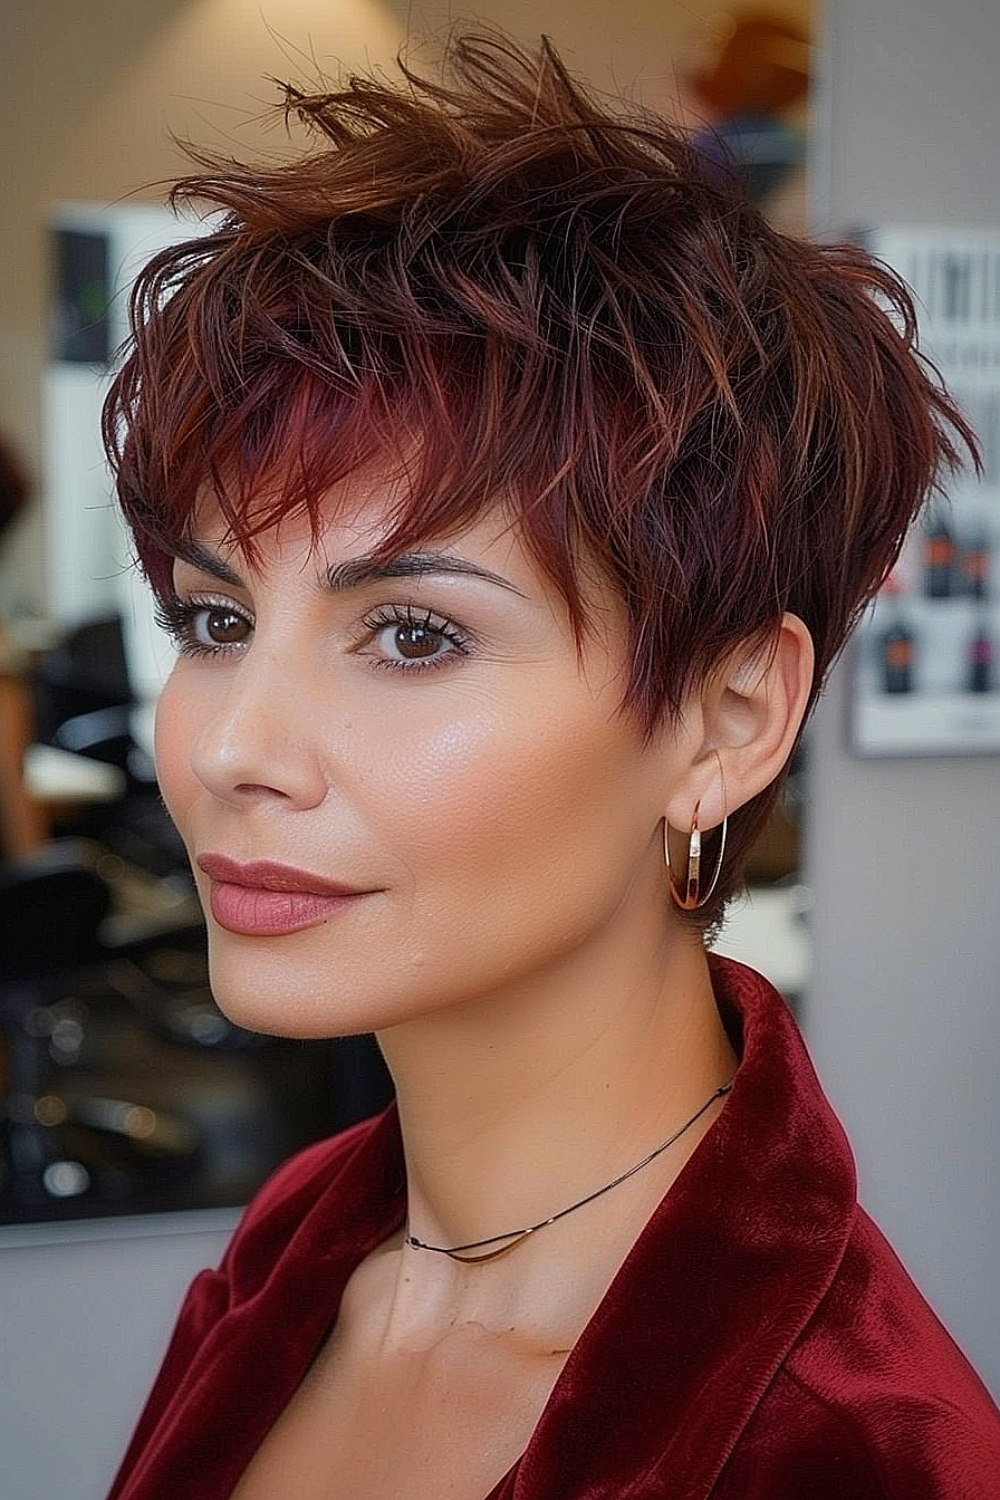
{"points": [[259, 913]]}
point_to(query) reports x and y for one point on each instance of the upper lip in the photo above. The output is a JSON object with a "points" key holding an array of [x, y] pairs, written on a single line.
{"points": [[268, 875]]}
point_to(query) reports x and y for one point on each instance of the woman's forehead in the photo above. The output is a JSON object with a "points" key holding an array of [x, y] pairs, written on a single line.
{"points": [[351, 522]]}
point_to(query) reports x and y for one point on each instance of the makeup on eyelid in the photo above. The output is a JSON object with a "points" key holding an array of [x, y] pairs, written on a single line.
{"points": [[181, 617]]}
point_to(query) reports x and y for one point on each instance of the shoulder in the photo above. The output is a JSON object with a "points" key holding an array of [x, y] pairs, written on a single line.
{"points": [[874, 1398]]}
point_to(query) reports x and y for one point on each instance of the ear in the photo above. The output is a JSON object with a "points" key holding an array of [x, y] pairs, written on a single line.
{"points": [[746, 716]]}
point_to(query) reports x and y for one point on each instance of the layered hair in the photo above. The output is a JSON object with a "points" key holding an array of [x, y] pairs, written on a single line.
{"points": [[520, 296]]}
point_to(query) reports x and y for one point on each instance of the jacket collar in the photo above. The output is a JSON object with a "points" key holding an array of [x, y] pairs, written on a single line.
{"points": [[712, 1295], [718, 1286]]}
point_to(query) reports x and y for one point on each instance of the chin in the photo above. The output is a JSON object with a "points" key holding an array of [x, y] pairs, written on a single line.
{"points": [[264, 985]]}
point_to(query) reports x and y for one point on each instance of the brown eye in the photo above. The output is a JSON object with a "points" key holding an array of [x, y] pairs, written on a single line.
{"points": [[224, 627], [212, 627], [406, 642], [416, 641], [205, 627]]}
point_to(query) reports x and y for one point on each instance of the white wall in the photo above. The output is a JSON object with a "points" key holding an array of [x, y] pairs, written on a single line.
{"points": [[903, 1014], [85, 1313]]}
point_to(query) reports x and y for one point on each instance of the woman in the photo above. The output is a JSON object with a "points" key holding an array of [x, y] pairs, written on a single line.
{"points": [[510, 489]]}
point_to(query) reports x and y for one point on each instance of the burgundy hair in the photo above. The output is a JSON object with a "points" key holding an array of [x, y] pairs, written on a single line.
{"points": [[521, 295]]}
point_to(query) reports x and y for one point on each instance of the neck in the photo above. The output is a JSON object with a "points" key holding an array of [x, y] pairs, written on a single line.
{"points": [[517, 1106]]}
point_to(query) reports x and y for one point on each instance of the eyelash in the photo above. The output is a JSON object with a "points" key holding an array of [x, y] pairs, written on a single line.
{"points": [[178, 617]]}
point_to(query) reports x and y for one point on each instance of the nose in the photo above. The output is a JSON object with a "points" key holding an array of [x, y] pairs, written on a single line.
{"points": [[255, 741]]}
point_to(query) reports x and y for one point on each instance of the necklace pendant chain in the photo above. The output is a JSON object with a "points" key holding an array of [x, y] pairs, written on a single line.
{"points": [[515, 1236]]}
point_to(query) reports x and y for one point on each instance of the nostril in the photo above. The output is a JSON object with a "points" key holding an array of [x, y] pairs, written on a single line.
{"points": [[256, 790]]}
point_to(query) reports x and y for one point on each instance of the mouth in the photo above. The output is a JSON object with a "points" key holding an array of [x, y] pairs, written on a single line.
{"points": [[265, 899]]}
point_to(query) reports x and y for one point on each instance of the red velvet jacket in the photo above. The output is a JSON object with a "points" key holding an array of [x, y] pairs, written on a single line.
{"points": [[760, 1341]]}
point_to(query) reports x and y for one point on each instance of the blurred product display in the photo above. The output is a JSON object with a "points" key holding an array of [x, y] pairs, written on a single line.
{"points": [[980, 658], [897, 645], [940, 557], [925, 680]]}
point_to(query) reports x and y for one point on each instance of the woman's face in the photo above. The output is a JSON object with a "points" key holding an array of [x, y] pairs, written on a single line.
{"points": [[428, 739]]}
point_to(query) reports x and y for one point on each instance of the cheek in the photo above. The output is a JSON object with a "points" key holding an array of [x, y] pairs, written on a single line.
{"points": [[176, 716], [503, 818]]}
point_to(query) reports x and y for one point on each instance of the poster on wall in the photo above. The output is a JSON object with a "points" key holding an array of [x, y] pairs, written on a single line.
{"points": [[926, 671]]}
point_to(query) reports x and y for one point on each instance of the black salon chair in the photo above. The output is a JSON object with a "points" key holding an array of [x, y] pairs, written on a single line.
{"points": [[84, 704], [54, 1147]]}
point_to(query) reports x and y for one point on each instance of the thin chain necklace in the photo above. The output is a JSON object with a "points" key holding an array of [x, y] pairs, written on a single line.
{"points": [[515, 1236]]}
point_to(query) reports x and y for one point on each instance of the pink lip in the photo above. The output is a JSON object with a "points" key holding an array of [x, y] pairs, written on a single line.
{"points": [[265, 899], [266, 875]]}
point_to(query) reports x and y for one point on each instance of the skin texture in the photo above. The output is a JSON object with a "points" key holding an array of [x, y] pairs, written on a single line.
{"points": [[545, 1012]]}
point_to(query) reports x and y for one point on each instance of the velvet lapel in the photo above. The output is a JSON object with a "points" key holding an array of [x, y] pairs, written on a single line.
{"points": [[714, 1292], [283, 1291]]}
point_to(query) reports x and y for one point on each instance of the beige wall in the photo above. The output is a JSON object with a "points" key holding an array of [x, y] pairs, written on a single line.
{"points": [[902, 1016], [90, 93]]}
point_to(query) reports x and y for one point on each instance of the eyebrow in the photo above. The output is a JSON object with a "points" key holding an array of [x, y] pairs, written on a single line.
{"points": [[205, 561], [355, 572]]}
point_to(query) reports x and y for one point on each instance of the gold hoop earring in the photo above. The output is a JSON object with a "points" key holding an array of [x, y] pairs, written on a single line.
{"points": [[692, 897]]}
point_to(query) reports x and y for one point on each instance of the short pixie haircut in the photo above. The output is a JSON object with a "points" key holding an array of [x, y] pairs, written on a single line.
{"points": [[522, 298]]}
